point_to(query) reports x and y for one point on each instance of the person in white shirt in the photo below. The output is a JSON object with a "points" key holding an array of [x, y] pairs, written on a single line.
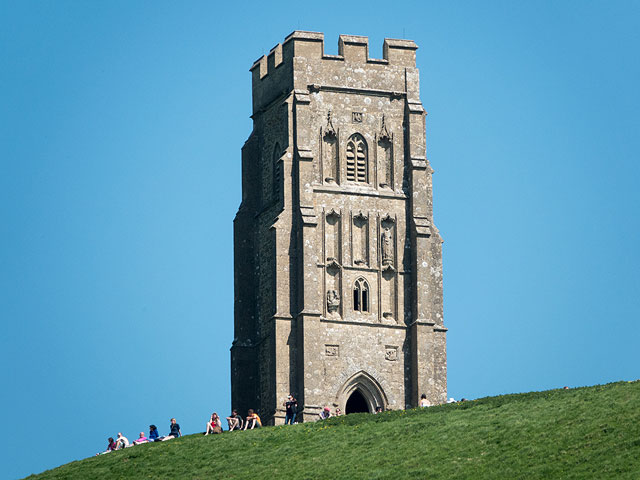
{"points": [[121, 442]]}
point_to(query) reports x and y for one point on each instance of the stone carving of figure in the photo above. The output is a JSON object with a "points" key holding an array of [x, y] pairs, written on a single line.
{"points": [[333, 301], [387, 253]]}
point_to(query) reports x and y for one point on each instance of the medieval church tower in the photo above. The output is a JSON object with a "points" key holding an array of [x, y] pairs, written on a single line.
{"points": [[338, 264]]}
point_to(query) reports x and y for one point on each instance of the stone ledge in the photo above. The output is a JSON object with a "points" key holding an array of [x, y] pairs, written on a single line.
{"points": [[364, 324]]}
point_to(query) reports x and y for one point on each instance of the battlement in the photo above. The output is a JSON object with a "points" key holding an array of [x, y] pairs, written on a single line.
{"points": [[351, 48]]}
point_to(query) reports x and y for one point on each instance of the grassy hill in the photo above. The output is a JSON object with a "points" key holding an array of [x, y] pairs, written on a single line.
{"points": [[591, 432]]}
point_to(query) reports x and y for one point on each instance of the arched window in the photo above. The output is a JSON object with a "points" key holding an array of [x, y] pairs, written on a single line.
{"points": [[361, 295], [357, 159]]}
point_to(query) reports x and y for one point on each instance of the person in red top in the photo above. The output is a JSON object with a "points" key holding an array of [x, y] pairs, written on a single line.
{"points": [[214, 425]]}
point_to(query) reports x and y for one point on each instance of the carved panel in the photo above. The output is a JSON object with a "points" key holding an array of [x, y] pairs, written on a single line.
{"points": [[391, 353], [332, 350]]}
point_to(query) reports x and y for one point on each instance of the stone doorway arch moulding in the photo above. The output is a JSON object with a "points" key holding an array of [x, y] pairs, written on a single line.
{"points": [[369, 388]]}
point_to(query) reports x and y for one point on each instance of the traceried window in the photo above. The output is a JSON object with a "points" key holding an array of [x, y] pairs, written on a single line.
{"points": [[361, 295], [357, 159]]}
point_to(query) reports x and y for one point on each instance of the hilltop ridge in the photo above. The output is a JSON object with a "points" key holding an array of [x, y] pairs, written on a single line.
{"points": [[588, 432]]}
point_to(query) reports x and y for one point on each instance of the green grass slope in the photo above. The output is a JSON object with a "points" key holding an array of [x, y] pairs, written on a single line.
{"points": [[591, 432]]}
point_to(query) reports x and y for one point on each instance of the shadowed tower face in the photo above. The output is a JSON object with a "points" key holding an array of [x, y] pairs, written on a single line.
{"points": [[338, 264]]}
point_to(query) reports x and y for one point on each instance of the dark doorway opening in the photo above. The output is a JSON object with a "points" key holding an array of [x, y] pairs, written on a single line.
{"points": [[356, 403]]}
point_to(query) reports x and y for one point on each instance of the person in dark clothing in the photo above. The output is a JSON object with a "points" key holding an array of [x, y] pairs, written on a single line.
{"points": [[174, 431], [292, 409], [234, 421]]}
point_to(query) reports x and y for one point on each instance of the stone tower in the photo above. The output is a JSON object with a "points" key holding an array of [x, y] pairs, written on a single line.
{"points": [[338, 264]]}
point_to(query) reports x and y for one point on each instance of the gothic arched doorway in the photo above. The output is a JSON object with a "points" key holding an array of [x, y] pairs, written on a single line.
{"points": [[356, 403], [361, 393]]}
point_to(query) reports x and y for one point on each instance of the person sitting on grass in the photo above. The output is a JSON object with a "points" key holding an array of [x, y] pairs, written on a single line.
{"points": [[338, 412], [214, 425], [174, 432], [252, 421], [325, 413], [110, 447], [141, 439], [153, 433], [423, 401], [234, 421], [121, 442]]}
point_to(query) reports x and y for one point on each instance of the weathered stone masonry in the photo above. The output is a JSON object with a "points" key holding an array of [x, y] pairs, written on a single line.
{"points": [[338, 264]]}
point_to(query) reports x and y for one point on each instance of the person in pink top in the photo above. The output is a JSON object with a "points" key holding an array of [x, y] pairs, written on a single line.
{"points": [[141, 439]]}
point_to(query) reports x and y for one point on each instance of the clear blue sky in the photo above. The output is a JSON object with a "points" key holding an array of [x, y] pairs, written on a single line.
{"points": [[121, 125]]}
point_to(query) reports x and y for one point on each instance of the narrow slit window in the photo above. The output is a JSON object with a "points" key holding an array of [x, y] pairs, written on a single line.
{"points": [[276, 169]]}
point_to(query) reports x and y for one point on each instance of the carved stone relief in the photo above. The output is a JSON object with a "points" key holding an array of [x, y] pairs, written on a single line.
{"points": [[333, 301], [330, 151], [388, 260], [385, 156], [386, 243]]}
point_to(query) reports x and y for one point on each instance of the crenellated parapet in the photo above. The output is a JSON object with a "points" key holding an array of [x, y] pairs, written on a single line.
{"points": [[273, 74]]}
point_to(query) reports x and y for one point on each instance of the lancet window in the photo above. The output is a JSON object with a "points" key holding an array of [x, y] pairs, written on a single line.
{"points": [[361, 295], [357, 159]]}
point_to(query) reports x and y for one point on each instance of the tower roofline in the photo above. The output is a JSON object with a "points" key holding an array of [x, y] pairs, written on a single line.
{"points": [[400, 52]]}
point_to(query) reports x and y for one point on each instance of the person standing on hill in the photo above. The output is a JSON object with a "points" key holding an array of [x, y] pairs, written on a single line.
{"points": [[174, 431], [292, 409]]}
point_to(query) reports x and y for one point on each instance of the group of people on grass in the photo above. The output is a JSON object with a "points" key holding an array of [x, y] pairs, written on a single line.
{"points": [[234, 422], [123, 442]]}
